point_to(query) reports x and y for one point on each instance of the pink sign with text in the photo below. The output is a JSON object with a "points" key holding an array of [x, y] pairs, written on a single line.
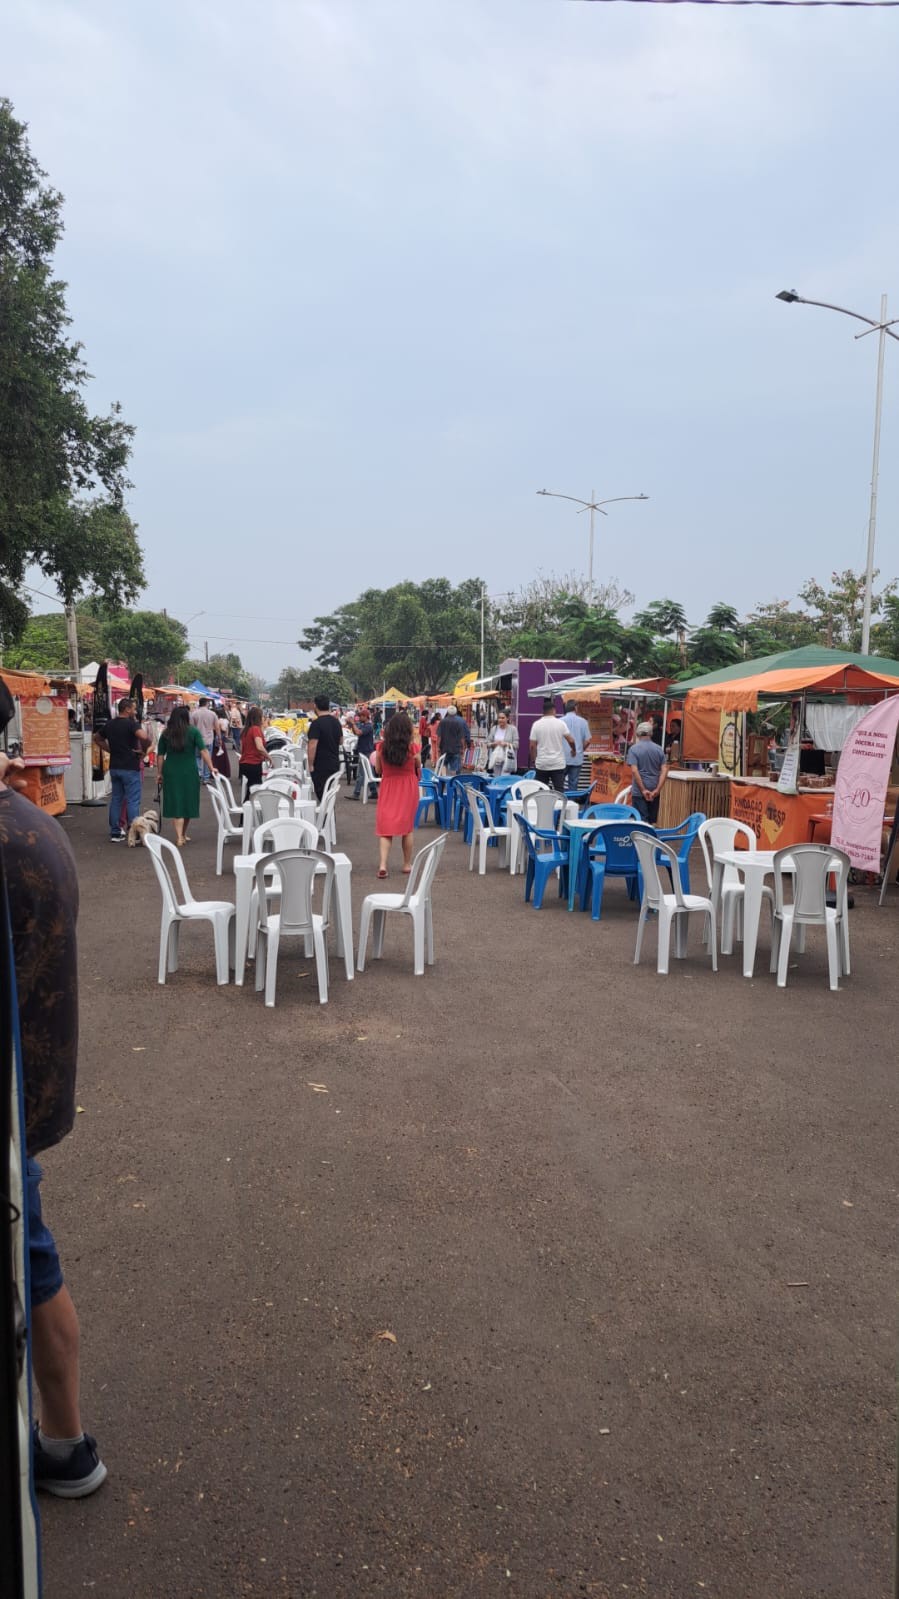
{"points": [[863, 777]]}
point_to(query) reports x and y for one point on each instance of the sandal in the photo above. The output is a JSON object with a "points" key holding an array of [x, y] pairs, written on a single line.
{"points": [[382, 872]]}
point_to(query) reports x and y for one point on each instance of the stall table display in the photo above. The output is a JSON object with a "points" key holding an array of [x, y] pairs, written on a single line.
{"points": [[684, 793], [777, 819]]}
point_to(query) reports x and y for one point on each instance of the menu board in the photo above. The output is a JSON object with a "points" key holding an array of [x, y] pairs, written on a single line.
{"points": [[45, 730], [598, 714]]}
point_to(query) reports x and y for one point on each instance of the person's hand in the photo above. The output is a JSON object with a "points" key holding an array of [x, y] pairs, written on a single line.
{"points": [[7, 766]]}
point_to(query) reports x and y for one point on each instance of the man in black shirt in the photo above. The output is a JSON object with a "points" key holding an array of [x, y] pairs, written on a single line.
{"points": [[126, 741], [325, 739], [365, 743]]}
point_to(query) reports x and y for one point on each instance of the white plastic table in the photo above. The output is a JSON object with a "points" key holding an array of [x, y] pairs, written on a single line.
{"points": [[755, 865], [245, 878], [301, 807]]}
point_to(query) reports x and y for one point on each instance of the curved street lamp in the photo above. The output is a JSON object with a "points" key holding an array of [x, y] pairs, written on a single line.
{"points": [[593, 505], [884, 328]]}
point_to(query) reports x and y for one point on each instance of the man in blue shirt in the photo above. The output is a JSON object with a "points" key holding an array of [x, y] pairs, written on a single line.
{"points": [[579, 729], [650, 771]]}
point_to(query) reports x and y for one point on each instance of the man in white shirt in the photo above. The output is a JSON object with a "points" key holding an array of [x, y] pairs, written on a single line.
{"points": [[206, 722], [579, 728], [551, 747]]}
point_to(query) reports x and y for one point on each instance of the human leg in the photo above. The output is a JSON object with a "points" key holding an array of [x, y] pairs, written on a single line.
{"points": [[383, 854], [408, 840], [116, 801], [554, 780], [131, 784], [573, 775]]}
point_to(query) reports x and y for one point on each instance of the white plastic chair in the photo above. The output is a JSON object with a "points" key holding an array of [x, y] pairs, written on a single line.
{"points": [[179, 905], [806, 868], [415, 902], [267, 802], [525, 787], [285, 832], [229, 831], [721, 833], [483, 829], [223, 784], [669, 907], [296, 871], [368, 776], [324, 818], [440, 768], [545, 808], [623, 797]]}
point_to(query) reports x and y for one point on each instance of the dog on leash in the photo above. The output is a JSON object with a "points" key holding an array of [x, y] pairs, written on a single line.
{"points": [[141, 826]]}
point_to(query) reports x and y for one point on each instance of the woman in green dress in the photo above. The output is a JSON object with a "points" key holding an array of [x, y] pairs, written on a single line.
{"points": [[179, 748]]}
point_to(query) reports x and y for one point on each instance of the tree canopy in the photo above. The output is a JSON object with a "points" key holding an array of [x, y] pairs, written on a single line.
{"points": [[294, 686], [63, 470], [226, 673], [417, 635], [150, 641]]}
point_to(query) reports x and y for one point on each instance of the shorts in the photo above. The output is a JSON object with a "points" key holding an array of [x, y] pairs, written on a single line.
{"points": [[43, 1260]]}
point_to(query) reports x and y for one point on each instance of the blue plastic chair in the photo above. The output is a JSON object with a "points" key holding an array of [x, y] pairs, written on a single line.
{"points": [[458, 807], [613, 854], [608, 812], [547, 852], [682, 839], [428, 800]]}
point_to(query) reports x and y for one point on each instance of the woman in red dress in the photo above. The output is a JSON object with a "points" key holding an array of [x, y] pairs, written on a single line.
{"points": [[399, 767]]}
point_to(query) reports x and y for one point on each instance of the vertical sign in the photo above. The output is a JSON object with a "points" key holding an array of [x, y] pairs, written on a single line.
{"points": [[863, 777]]}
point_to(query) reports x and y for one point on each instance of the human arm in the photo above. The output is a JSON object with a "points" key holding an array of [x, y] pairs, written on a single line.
{"points": [[202, 751], [658, 788], [532, 753]]}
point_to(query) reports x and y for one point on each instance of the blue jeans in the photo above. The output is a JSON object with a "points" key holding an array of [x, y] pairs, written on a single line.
{"points": [[202, 769], [235, 738], [573, 774], [126, 789], [453, 764]]}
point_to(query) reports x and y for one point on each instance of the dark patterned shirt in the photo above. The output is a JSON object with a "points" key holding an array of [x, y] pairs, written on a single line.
{"points": [[42, 885]]}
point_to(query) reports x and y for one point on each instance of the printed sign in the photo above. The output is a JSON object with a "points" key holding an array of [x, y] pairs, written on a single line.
{"points": [[863, 777], [788, 782], [45, 730]]}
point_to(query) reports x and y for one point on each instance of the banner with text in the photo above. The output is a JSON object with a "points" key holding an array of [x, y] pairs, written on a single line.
{"points": [[863, 777]]}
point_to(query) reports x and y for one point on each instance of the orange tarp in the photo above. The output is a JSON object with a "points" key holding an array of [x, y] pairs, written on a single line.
{"points": [[31, 683], [742, 693], [700, 731]]}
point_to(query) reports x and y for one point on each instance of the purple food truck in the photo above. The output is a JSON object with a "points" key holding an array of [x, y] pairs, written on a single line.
{"points": [[518, 677]]}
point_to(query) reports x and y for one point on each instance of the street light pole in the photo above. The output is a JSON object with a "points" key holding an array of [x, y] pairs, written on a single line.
{"points": [[592, 505], [882, 328]]}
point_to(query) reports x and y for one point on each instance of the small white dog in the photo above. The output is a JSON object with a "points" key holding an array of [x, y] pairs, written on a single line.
{"points": [[148, 823]]}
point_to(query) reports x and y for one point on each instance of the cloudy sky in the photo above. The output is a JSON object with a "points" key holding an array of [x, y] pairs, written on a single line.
{"points": [[366, 274]]}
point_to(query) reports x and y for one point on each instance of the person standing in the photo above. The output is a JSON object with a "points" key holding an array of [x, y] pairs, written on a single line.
{"points": [[650, 767], [452, 737], [235, 721], [579, 728], [42, 892], [126, 742], [365, 745], [398, 764], [181, 752], [325, 739], [252, 750], [503, 746], [551, 747], [206, 721]]}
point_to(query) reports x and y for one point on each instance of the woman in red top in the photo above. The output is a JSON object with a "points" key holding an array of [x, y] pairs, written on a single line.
{"points": [[252, 749], [399, 767]]}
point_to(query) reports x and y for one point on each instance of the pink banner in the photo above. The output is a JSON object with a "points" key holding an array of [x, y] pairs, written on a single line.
{"points": [[863, 777]]}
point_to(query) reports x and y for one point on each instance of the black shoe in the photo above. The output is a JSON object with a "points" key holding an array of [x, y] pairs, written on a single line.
{"points": [[75, 1478], [116, 838]]}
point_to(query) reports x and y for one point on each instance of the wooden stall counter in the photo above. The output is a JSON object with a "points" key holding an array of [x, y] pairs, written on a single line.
{"points": [[777, 819], [686, 792]]}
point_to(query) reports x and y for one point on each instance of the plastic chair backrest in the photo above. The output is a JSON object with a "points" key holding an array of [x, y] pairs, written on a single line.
{"points": [[282, 783], [479, 805], [608, 812], [648, 850], [223, 785], [542, 843], [328, 802], [285, 832], [267, 803], [368, 771], [541, 808], [623, 795], [220, 809], [423, 868], [617, 840], [806, 867], [720, 833], [297, 871], [165, 857], [524, 787]]}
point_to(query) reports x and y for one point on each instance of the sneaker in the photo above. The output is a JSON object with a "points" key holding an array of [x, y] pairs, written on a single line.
{"points": [[117, 838], [74, 1478]]}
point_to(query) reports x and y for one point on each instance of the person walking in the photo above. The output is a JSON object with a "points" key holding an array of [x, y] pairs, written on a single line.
{"points": [[453, 736], [325, 739], [503, 746], [650, 767], [235, 721], [126, 742], [221, 760], [206, 721], [42, 894], [252, 749], [398, 764], [550, 748], [181, 753], [365, 745], [579, 728]]}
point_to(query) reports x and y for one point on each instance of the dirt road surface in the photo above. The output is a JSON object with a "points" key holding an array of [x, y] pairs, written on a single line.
{"points": [[538, 1276]]}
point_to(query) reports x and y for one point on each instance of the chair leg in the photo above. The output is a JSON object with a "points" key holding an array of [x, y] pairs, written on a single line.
{"points": [[321, 966], [220, 850], [174, 945], [271, 966], [833, 952], [712, 920], [844, 942], [364, 924], [220, 927], [429, 931], [164, 937], [471, 854], [783, 954], [727, 923], [377, 945], [596, 898], [261, 953], [640, 928], [482, 853], [664, 940], [418, 941]]}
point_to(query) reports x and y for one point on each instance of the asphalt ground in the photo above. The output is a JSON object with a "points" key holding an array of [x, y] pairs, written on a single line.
{"points": [[540, 1275]]}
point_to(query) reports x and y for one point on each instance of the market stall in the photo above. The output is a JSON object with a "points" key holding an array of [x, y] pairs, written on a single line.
{"points": [[39, 735]]}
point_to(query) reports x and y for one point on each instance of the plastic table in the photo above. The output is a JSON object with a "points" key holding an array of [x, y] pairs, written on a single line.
{"points": [[245, 878]]}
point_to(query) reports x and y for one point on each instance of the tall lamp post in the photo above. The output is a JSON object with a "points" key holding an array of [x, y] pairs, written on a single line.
{"points": [[882, 328], [592, 505]]}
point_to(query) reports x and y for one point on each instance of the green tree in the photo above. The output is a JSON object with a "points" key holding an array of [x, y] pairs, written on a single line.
{"points": [[550, 616], [150, 641], [711, 648], [43, 646], [62, 470], [885, 634], [420, 636], [223, 672], [837, 610], [773, 627], [294, 685], [723, 618], [664, 618]]}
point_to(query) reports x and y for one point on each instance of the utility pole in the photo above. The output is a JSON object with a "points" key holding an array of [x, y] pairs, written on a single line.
{"points": [[483, 593], [207, 652], [72, 640]]}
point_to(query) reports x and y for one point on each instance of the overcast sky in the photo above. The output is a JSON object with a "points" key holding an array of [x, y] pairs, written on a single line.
{"points": [[366, 274]]}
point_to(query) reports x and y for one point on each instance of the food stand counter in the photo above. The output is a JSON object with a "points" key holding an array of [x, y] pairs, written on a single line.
{"points": [[608, 776], [777, 819], [683, 793]]}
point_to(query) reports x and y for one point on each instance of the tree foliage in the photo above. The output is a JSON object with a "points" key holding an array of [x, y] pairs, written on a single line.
{"points": [[294, 686], [150, 641], [419, 636], [62, 470], [226, 673], [43, 645]]}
